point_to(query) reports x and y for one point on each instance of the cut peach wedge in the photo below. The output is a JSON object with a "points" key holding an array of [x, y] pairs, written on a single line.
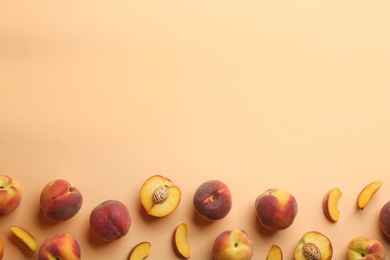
{"points": [[275, 253], [180, 241], [330, 204], [140, 251], [159, 196], [25, 236], [1, 249], [367, 193]]}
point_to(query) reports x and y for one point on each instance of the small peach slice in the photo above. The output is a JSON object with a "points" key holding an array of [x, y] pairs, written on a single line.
{"points": [[180, 241], [329, 204], [25, 236], [159, 196], [1, 249], [367, 193], [275, 253], [140, 251]]}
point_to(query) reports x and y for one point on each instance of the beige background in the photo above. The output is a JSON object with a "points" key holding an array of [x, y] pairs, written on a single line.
{"points": [[258, 94]]}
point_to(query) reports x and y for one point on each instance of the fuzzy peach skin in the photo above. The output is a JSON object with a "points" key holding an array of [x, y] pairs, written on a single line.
{"points": [[384, 219], [60, 200], [110, 220], [60, 246], [10, 195], [365, 248], [276, 209], [232, 245], [212, 200]]}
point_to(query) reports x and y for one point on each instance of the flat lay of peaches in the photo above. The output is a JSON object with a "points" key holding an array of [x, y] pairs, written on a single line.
{"points": [[275, 209]]}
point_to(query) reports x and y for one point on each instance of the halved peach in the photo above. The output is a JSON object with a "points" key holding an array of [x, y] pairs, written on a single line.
{"points": [[1, 249], [140, 251], [180, 241], [367, 193], [330, 204], [25, 236], [313, 245], [275, 253], [159, 196]]}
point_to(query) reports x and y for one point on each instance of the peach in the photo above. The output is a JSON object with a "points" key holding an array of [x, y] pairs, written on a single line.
{"points": [[60, 200], [313, 245], [276, 209], [1, 250], [10, 195], [110, 220], [159, 196], [365, 248], [275, 253], [140, 251], [60, 246], [367, 193], [212, 200], [180, 241], [232, 244], [330, 204], [25, 236], [384, 219]]}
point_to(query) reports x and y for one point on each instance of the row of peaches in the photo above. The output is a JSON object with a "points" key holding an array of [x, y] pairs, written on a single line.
{"points": [[276, 210]]}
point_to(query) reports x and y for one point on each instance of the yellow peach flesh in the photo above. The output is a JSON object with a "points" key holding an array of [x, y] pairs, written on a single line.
{"points": [[367, 193], [275, 253], [331, 204], [140, 251], [181, 241], [25, 236]]}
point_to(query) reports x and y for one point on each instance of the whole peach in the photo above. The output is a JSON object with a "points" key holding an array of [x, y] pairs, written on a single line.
{"points": [[384, 219], [60, 200], [60, 246], [10, 195], [212, 200], [110, 220], [276, 209], [232, 244]]}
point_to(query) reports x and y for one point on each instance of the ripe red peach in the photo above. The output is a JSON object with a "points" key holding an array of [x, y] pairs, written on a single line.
{"points": [[276, 209], [110, 220], [212, 200], [10, 195], [60, 200], [60, 246], [384, 219]]}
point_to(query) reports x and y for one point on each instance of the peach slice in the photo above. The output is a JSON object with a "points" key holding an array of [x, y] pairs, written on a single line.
{"points": [[330, 204], [180, 241], [367, 193], [159, 196], [275, 253], [1, 249], [313, 246], [25, 236], [140, 251]]}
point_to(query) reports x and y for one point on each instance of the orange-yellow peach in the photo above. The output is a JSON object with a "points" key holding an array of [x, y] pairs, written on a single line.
{"points": [[10, 195], [212, 200], [110, 220], [60, 200], [159, 196], [61, 246], [232, 244], [330, 204], [365, 248], [276, 209]]}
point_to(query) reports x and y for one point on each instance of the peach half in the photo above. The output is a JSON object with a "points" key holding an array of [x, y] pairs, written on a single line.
{"points": [[367, 193], [60, 200], [275, 253], [330, 204], [25, 236], [180, 241], [159, 196], [140, 251], [313, 246], [61, 246]]}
